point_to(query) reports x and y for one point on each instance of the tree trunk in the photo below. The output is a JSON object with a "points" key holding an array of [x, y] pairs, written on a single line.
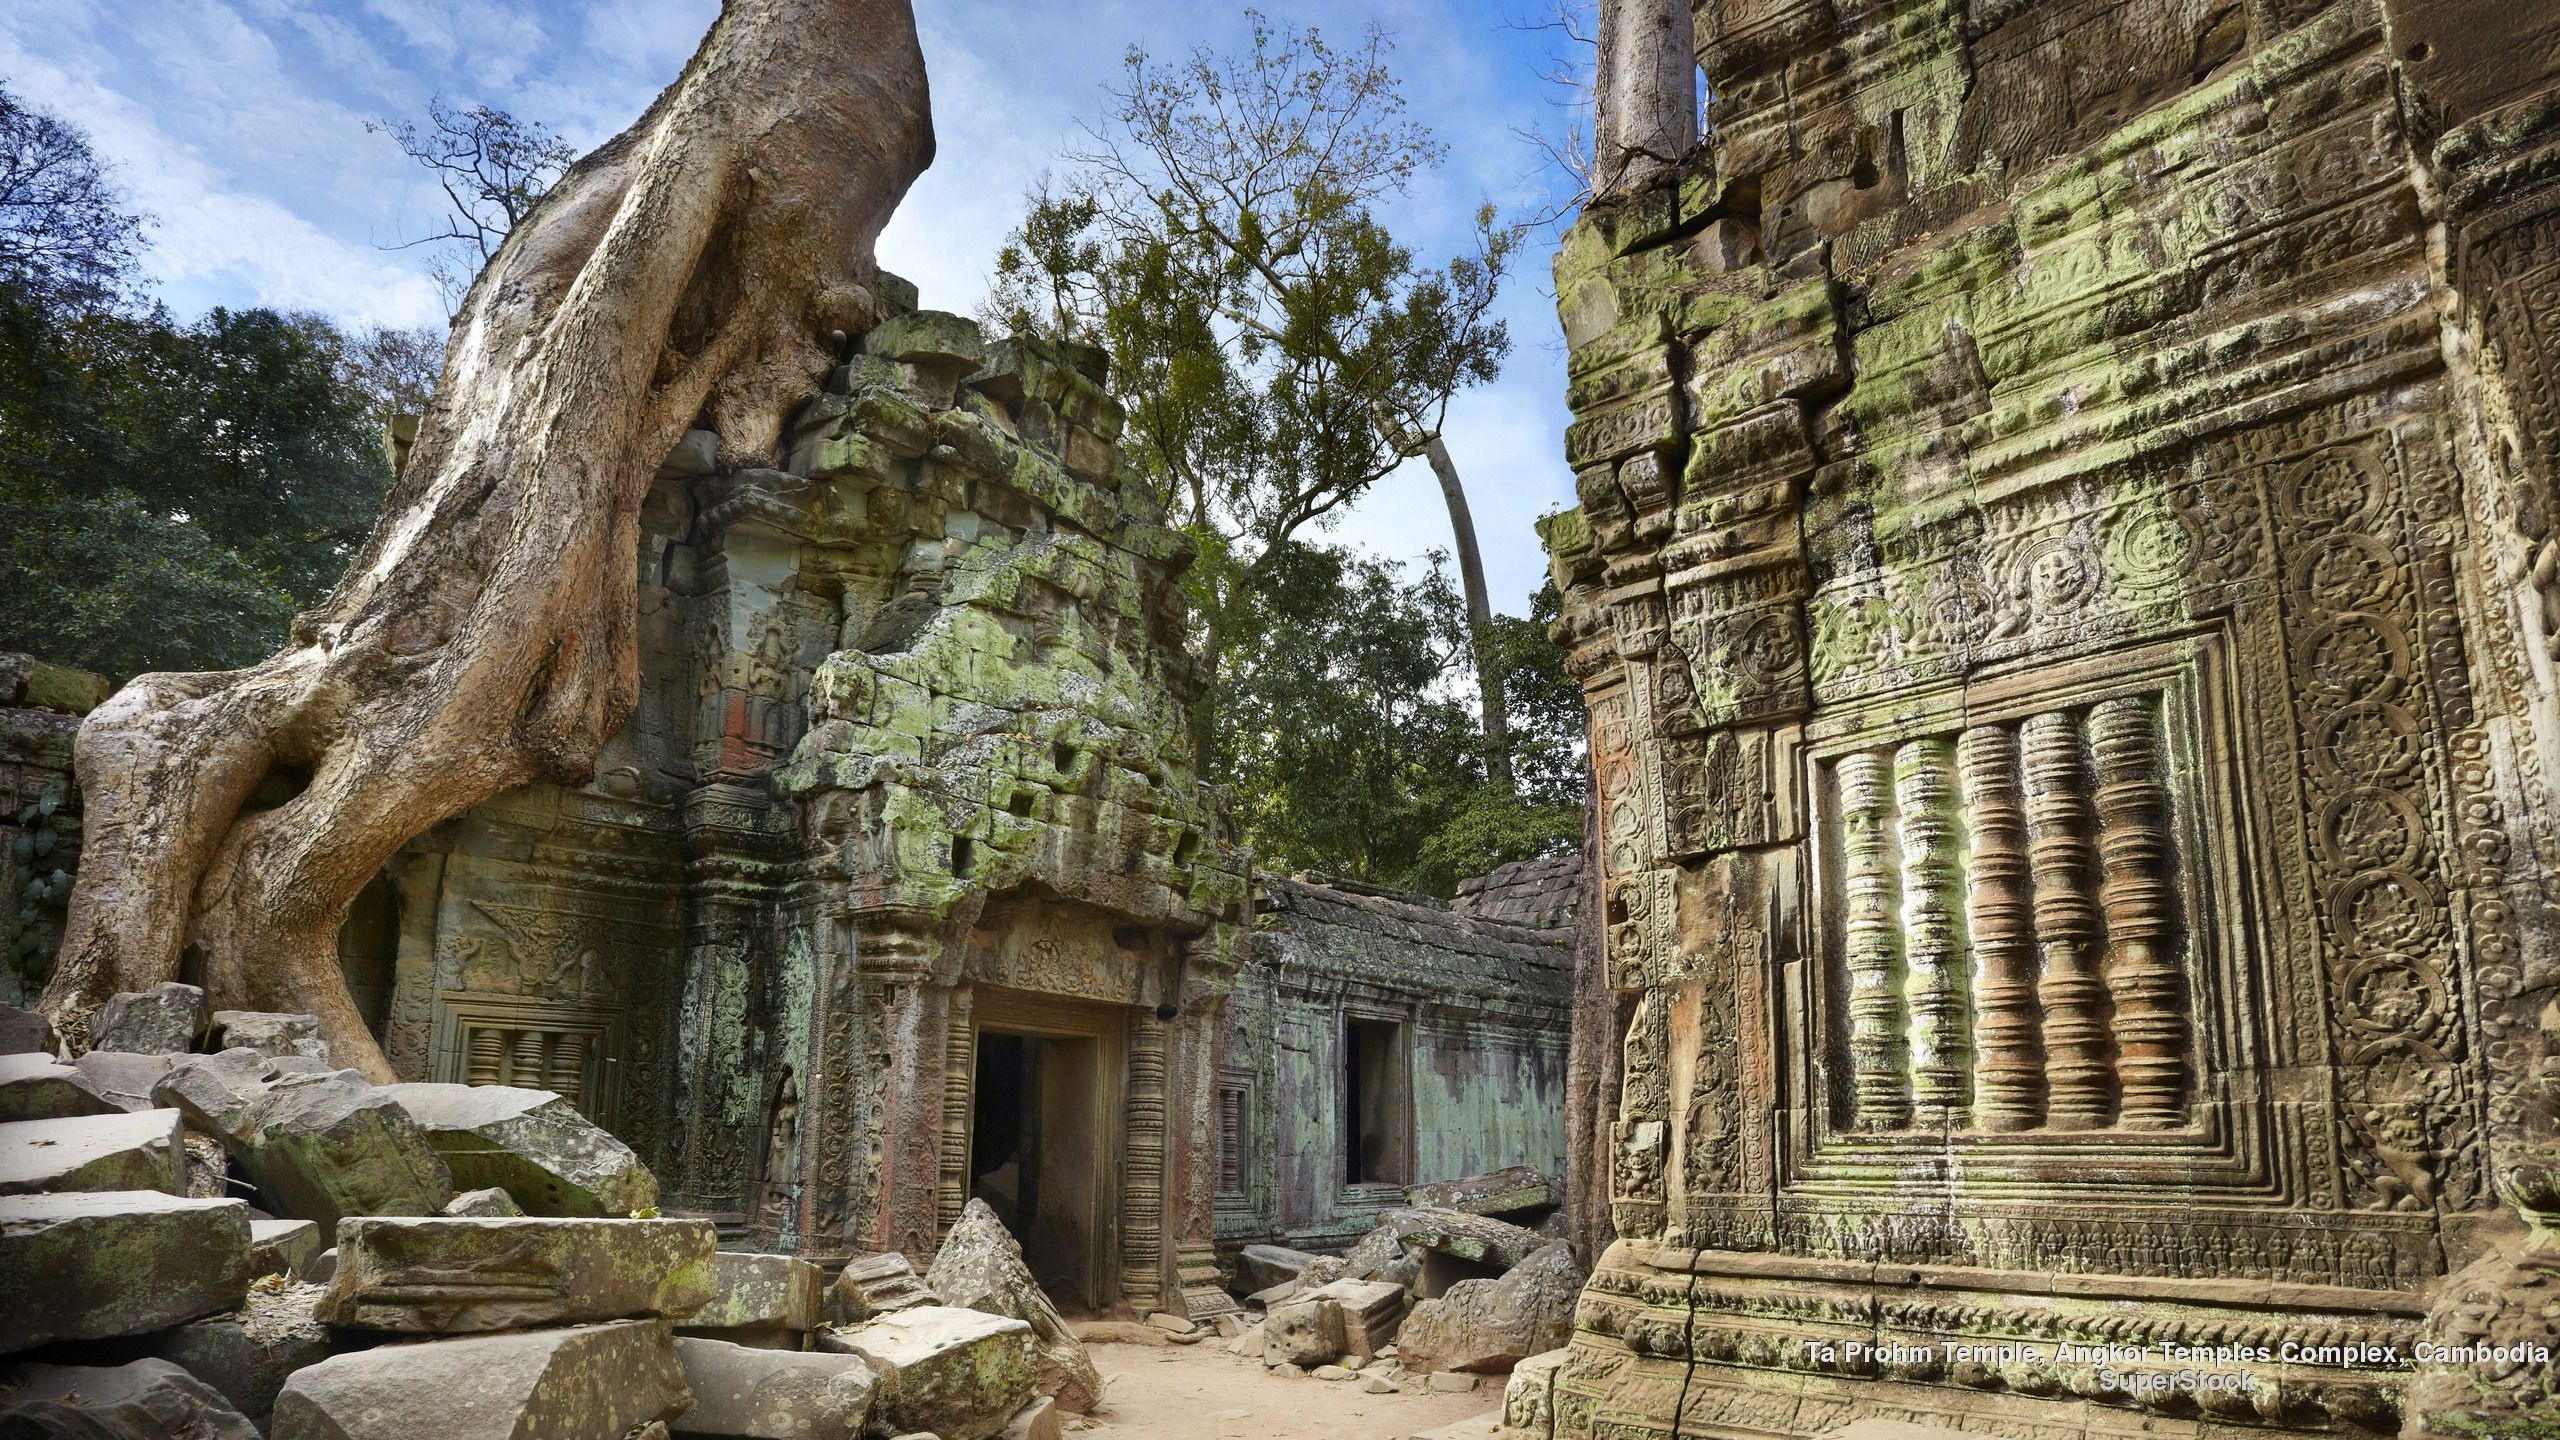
{"points": [[1645, 95], [706, 259], [1489, 697]]}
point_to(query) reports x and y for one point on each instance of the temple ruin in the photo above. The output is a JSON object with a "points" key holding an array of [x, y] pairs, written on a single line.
{"points": [[2063, 583]]}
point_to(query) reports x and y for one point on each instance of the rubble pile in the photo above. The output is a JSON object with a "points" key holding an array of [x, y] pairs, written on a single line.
{"points": [[244, 1242], [1445, 1293]]}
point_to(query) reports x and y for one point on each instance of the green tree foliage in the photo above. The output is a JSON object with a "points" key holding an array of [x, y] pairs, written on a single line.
{"points": [[172, 493], [1353, 752], [1270, 336]]}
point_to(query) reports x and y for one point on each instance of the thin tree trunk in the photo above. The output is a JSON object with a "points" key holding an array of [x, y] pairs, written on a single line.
{"points": [[709, 258], [1489, 697]]}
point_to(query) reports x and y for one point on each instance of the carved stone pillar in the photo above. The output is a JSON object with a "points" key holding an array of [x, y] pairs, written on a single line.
{"points": [[1880, 1081], [1143, 1280], [2141, 903], [1999, 910], [1192, 1155], [2080, 1083], [959, 1081]]}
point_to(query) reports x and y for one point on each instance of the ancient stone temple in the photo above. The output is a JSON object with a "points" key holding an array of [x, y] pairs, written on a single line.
{"points": [[2064, 583], [900, 887]]}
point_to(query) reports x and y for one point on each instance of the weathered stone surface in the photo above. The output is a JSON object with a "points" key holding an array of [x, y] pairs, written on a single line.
{"points": [[284, 1247], [249, 1355], [163, 1020], [1478, 1239], [958, 1373], [122, 1081], [449, 1276], [1370, 1310], [140, 1400], [1488, 1326], [1043, 1419], [1502, 1192], [871, 1286], [773, 1395], [1264, 1266], [25, 1032], [597, 1382], [270, 1033], [1302, 1332], [122, 1262], [323, 1147], [532, 1144], [980, 1268], [753, 1292], [34, 1087], [490, 1203], [1528, 1397], [216, 1092]]}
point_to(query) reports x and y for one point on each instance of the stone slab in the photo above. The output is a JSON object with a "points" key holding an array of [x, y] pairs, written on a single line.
{"points": [[163, 1020], [138, 1151], [290, 1248], [37, 1087], [960, 1374], [751, 1291], [93, 1265], [453, 1275], [596, 1382], [1502, 1192], [140, 1400], [773, 1394], [531, 1144]]}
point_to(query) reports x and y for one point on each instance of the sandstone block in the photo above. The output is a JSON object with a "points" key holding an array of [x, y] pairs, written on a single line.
{"points": [[122, 1081], [531, 1144], [35, 1087], [773, 1394], [323, 1147], [163, 1020], [980, 1268], [139, 1151], [122, 1262], [1488, 1326], [490, 1203], [26, 1032], [762, 1292], [596, 1382], [1451, 1383], [142, 1400], [1264, 1266], [249, 1356], [215, 1092], [1370, 1309], [1379, 1385], [1502, 1192], [877, 1285], [1529, 1397], [1334, 1372], [958, 1373], [1042, 1419], [446, 1275], [269, 1033], [1302, 1333], [284, 1247]]}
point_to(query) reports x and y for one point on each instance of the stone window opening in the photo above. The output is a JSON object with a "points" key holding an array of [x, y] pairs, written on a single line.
{"points": [[1377, 1104]]}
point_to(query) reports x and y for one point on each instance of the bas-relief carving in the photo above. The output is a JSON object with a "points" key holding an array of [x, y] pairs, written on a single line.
{"points": [[2166, 732]]}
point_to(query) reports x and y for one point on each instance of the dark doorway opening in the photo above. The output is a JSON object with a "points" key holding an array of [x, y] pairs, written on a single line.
{"points": [[1033, 1156], [1376, 1105]]}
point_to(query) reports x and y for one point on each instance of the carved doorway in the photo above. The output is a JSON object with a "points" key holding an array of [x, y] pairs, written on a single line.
{"points": [[1045, 1137]]}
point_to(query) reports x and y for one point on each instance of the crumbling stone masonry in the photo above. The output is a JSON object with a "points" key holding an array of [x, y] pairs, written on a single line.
{"points": [[1376, 1041], [2064, 585], [40, 710], [909, 777]]}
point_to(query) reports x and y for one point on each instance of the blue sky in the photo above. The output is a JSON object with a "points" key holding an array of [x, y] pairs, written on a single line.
{"points": [[240, 126]]}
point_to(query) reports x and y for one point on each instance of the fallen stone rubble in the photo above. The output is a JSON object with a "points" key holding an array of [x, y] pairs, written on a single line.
{"points": [[335, 1286], [1441, 1296]]}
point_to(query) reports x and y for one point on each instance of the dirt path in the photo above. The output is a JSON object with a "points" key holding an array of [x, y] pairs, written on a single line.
{"points": [[1200, 1392]]}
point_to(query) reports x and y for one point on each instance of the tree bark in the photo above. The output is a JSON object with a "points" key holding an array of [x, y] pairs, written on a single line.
{"points": [[1645, 95], [1489, 697], [708, 259]]}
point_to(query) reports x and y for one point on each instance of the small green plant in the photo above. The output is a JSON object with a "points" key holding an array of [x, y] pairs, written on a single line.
{"points": [[33, 924]]}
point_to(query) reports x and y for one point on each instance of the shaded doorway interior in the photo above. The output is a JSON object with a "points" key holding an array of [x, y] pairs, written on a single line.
{"points": [[1034, 1155]]}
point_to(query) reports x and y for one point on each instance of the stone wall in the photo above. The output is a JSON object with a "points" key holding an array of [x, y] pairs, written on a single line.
{"points": [[1471, 1008], [2063, 587]]}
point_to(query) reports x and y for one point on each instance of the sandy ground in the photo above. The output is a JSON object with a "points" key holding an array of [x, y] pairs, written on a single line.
{"points": [[1200, 1392]]}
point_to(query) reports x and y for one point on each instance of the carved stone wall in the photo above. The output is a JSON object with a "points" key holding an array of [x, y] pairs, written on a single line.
{"points": [[2063, 587], [1478, 1007], [40, 710]]}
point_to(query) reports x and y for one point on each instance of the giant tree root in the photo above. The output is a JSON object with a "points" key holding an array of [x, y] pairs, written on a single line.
{"points": [[484, 637]]}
